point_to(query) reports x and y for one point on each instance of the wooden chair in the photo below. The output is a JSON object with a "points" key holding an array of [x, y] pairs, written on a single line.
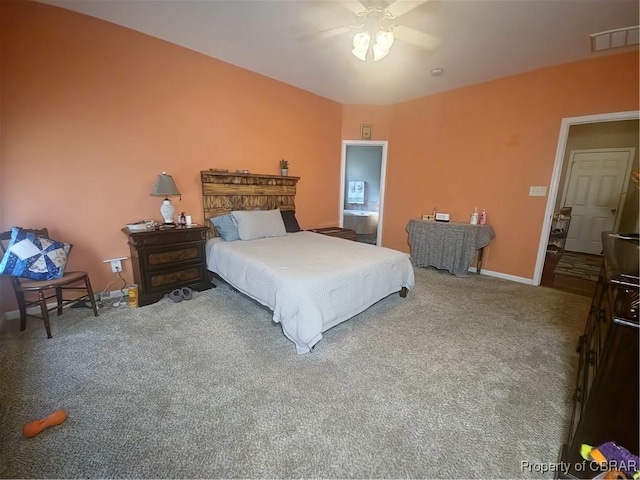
{"points": [[41, 291]]}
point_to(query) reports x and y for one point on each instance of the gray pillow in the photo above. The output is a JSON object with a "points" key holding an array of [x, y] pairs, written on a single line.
{"points": [[226, 227], [254, 224]]}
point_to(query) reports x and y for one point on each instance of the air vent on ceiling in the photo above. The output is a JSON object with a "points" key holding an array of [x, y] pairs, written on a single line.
{"points": [[620, 37]]}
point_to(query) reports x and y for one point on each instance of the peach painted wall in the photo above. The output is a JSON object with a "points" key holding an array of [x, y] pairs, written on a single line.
{"points": [[485, 145], [355, 115], [92, 112]]}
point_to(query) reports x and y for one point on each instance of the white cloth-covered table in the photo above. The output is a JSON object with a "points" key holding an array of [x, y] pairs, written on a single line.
{"points": [[447, 246]]}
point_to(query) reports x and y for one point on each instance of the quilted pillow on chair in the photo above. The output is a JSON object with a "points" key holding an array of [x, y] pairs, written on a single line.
{"points": [[33, 257]]}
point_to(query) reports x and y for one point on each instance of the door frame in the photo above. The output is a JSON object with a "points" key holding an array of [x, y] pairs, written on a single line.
{"points": [[557, 171], [383, 170]]}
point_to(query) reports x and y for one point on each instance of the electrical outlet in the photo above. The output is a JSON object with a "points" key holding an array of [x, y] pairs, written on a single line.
{"points": [[116, 263]]}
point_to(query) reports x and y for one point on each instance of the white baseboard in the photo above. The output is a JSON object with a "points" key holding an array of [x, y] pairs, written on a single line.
{"points": [[504, 276], [15, 314]]}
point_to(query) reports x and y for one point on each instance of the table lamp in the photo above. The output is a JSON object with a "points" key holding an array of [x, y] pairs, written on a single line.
{"points": [[164, 187]]}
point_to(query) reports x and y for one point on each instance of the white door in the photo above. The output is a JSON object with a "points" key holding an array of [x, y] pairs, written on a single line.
{"points": [[595, 187]]}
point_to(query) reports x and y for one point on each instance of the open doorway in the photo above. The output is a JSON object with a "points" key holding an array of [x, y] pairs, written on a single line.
{"points": [[604, 131], [362, 182]]}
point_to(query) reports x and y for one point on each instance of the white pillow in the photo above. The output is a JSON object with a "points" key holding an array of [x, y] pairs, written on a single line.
{"points": [[253, 224]]}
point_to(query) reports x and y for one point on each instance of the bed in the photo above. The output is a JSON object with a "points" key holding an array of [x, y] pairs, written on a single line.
{"points": [[311, 282]]}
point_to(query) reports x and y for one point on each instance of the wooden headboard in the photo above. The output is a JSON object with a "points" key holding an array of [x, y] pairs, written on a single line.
{"points": [[224, 192]]}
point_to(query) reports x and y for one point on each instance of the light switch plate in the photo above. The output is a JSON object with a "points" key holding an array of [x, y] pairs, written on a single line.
{"points": [[537, 191]]}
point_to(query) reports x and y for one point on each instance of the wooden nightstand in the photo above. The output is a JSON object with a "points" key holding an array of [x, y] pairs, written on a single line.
{"points": [[164, 260], [337, 232]]}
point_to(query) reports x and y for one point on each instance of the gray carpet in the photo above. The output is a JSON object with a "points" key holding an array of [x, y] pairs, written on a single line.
{"points": [[465, 378]]}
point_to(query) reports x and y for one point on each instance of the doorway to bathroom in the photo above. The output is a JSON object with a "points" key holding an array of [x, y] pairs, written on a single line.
{"points": [[362, 179]]}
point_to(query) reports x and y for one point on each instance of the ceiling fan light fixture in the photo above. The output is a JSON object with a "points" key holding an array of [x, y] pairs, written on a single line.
{"points": [[381, 48], [361, 41], [379, 53], [359, 54], [385, 39]]}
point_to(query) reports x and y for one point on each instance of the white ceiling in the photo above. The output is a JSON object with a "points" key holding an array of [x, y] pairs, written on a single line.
{"points": [[472, 40]]}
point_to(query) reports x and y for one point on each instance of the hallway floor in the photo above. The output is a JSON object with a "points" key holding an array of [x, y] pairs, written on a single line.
{"points": [[549, 279]]}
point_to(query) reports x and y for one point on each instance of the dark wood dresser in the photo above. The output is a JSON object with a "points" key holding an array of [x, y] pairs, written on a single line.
{"points": [[164, 260], [605, 401]]}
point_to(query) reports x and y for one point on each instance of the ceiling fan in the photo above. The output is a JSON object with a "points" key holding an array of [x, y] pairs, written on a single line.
{"points": [[385, 20]]}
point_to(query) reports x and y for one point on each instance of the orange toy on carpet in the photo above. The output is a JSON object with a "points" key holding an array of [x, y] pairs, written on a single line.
{"points": [[31, 429]]}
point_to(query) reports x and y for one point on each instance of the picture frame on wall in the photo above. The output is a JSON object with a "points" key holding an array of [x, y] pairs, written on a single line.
{"points": [[365, 132]]}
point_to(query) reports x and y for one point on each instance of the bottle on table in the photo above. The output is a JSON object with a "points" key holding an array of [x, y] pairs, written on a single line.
{"points": [[474, 217]]}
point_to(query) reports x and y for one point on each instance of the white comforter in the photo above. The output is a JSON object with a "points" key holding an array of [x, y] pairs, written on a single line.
{"points": [[311, 282]]}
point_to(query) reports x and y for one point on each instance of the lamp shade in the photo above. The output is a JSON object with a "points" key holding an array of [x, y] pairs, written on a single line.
{"points": [[165, 186]]}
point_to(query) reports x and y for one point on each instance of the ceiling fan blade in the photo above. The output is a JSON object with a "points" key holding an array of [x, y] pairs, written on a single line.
{"points": [[411, 35], [326, 33], [333, 32], [354, 6], [400, 7]]}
